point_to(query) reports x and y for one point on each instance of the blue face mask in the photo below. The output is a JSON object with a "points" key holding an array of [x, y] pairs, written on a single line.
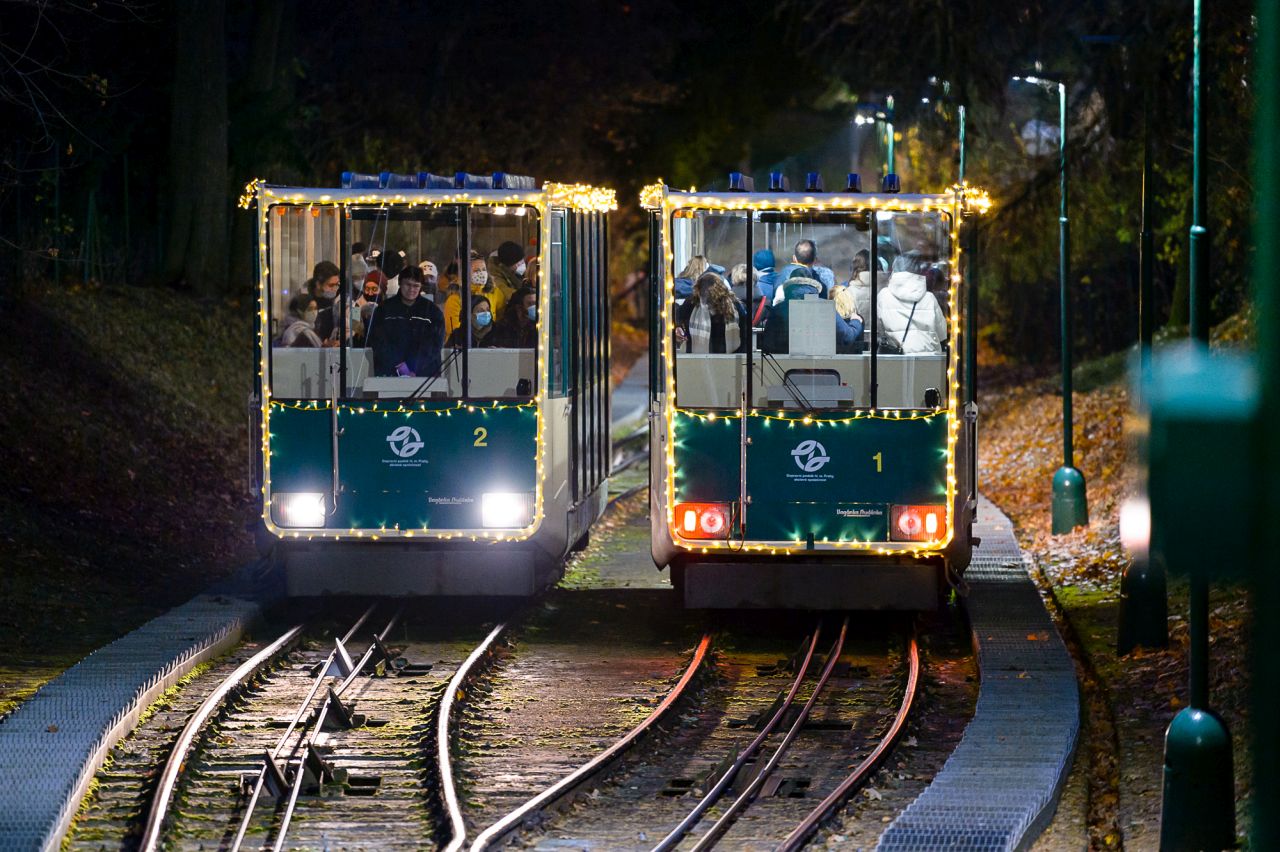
{"points": [[483, 318], [532, 311]]}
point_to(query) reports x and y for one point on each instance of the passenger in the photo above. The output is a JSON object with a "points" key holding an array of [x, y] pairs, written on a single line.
{"points": [[712, 319], [324, 287], [374, 283], [531, 271], [482, 329], [692, 271], [777, 331], [908, 314], [406, 332], [518, 328], [854, 296], [359, 267], [805, 257], [480, 286], [738, 277], [767, 282], [299, 329], [506, 270], [430, 279]]}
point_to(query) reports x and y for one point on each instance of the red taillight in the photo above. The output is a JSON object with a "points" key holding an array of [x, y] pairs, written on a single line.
{"points": [[702, 520], [918, 523]]}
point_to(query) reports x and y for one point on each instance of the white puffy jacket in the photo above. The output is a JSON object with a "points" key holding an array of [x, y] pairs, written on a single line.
{"points": [[893, 308]]}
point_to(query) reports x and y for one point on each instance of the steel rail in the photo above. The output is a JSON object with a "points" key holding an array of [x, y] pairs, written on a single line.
{"points": [[303, 709], [713, 795], [449, 792], [307, 743], [862, 772], [518, 817], [748, 795], [172, 772]]}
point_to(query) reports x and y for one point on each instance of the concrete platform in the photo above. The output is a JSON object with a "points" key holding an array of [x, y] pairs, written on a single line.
{"points": [[1001, 785], [54, 743]]}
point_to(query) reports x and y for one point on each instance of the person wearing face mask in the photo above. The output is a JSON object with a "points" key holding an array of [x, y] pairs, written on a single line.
{"points": [[506, 269], [323, 286], [299, 327], [518, 328], [482, 327], [480, 286]]}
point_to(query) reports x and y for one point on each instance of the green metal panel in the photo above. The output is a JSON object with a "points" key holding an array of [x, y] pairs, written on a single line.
{"points": [[388, 480], [301, 449], [834, 480]]}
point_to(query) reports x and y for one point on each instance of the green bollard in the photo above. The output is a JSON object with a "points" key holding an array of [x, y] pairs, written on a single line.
{"points": [[1198, 809], [1070, 502], [1144, 606]]}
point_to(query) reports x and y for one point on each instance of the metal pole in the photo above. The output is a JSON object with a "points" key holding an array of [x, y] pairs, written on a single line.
{"points": [[1144, 597], [1064, 274], [1199, 238], [875, 292], [961, 176], [1197, 807], [893, 162], [1265, 666], [1070, 499]]}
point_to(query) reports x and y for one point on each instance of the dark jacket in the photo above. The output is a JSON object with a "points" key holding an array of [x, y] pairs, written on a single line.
{"points": [[412, 334], [716, 344], [326, 316]]}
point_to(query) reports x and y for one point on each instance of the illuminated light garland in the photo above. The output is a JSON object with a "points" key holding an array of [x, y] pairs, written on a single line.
{"points": [[578, 197], [961, 200]]}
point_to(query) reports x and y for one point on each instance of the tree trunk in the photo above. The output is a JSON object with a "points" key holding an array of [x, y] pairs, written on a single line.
{"points": [[261, 98], [199, 198]]}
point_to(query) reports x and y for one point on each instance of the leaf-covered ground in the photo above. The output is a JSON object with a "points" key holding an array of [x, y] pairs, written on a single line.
{"points": [[1130, 700], [123, 436]]}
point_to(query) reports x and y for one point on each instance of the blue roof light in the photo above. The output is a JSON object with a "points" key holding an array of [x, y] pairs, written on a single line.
{"points": [[359, 180], [854, 183], [813, 182], [391, 180], [504, 180], [891, 183], [778, 182], [427, 180], [466, 180], [738, 182]]}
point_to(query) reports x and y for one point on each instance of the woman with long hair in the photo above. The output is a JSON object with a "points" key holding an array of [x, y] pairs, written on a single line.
{"points": [[711, 320]]}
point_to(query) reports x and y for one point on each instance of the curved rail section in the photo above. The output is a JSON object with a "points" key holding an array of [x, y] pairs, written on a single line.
{"points": [[862, 773], [518, 817], [722, 785], [448, 790], [172, 772], [269, 768]]}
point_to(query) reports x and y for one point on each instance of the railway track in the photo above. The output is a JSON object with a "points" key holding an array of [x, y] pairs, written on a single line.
{"points": [[760, 766]]}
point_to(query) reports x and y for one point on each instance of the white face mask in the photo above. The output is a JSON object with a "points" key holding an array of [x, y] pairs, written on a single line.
{"points": [[520, 268], [481, 277]]}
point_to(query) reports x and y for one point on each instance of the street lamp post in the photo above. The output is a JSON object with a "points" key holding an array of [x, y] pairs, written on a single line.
{"points": [[874, 115], [1070, 499]]}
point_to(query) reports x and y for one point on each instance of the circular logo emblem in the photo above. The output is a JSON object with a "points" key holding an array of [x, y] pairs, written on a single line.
{"points": [[405, 441], [810, 456]]}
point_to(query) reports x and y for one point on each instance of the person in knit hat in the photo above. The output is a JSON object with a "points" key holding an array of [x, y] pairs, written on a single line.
{"points": [[506, 272]]}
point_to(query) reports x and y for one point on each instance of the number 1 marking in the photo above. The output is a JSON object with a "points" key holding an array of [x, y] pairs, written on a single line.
{"points": [[481, 434], [879, 463]]}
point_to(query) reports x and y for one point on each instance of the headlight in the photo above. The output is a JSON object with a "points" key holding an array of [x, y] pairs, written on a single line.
{"points": [[299, 509], [505, 509]]}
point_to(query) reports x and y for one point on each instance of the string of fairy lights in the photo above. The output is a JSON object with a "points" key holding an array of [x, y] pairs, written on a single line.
{"points": [[961, 199], [576, 197]]}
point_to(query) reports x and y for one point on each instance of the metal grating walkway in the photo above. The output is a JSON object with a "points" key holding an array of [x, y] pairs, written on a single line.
{"points": [[1000, 786], [54, 743]]}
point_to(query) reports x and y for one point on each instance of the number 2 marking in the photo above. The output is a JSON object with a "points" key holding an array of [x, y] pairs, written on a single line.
{"points": [[879, 463], [481, 434]]}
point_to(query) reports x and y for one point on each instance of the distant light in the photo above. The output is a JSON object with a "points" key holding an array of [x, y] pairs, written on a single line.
{"points": [[924, 100], [1135, 526]]}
